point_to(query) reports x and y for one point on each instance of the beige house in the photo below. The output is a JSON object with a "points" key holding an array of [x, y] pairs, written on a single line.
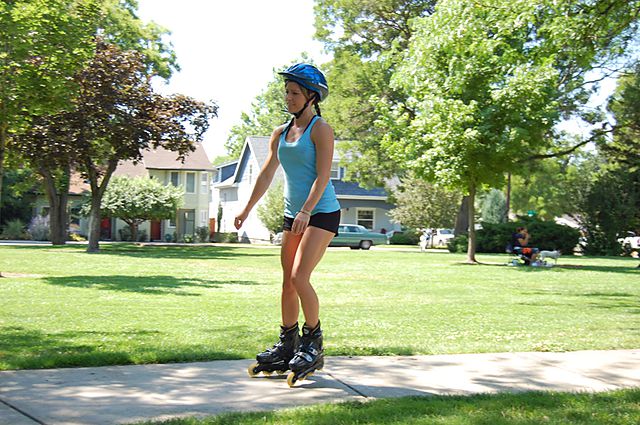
{"points": [[194, 176]]}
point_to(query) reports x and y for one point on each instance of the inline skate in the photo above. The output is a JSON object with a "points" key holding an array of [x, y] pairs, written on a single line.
{"points": [[276, 358], [309, 357]]}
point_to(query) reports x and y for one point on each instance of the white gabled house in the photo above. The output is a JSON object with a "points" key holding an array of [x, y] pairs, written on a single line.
{"points": [[234, 181]]}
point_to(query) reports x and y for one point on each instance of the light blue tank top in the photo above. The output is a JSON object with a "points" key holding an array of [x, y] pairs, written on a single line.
{"points": [[298, 161]]}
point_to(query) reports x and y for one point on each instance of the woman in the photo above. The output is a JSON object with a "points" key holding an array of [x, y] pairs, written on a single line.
{"points": [[304, 147]]}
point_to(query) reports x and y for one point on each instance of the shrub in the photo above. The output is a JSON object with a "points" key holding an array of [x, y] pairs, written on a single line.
{"points": [[39, 228], [187, 238], [458, 244], [230, 237], [142, 235], [202, 234], [125, 234], [408, 237], [14, 229], [544, 235]]}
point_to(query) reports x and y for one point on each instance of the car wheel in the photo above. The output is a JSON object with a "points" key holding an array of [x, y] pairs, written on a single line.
{"points": [[365, 244]]}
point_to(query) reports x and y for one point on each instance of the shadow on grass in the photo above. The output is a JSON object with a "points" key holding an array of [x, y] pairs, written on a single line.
{"points": [[526, 408], [624, 269], [153, 285], [22, 348], [184, 252]]}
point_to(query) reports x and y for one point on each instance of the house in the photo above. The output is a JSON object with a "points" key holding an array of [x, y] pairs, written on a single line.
{"points": [[234, 181], [194, 175]]}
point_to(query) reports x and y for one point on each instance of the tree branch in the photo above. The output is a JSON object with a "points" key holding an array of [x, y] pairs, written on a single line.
{"points": [[572, 149]]}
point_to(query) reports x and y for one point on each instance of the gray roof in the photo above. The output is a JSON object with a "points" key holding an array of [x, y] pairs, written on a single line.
{"points": [[163, 159]]}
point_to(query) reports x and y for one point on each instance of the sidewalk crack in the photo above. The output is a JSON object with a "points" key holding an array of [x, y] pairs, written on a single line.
{"points": [[352, 388], [22, 412]]}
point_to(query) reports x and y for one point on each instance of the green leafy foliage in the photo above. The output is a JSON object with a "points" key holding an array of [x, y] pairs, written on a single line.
{"points": [[485, 85], [420, 204], [271, 210], [135, 200], [609, 209], [625, 106], [115, 117], [494, 207]]}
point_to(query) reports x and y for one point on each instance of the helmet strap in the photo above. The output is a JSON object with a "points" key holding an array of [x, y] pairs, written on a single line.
{"points": [[299, 113]]}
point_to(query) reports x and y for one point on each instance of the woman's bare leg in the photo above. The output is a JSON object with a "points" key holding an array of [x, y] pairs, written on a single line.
{"points": [[310, 250], [289, 300]]}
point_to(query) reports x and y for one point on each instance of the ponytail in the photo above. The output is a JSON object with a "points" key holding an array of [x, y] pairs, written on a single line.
{"points": [[317, 109]]}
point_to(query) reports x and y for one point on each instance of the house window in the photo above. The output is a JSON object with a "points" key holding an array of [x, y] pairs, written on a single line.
{"points": [[175, 178], [203, 218], [191, 183], [250, 173], [172, 222], [366, 218], [204, 180], [335, 171]]}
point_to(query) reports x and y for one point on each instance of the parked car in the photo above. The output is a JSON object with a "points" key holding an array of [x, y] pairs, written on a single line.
{"points": [[442, 236], [630, 242], [357, 237]]}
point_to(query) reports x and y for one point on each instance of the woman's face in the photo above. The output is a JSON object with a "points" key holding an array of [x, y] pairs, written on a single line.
{"points": [[294, 96]]}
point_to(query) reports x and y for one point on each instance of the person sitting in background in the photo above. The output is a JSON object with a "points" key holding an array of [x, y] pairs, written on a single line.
{"points": [[521, 245]]}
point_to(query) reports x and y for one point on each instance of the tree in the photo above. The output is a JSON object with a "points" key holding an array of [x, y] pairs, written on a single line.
{"points": [[42, 44], [485, 86], [493, 207], [268, 111], [625, 106], [270, 212], [115, 117], [609, 209], [420, 204], [46, 44], [136, 200], [367, 39]]}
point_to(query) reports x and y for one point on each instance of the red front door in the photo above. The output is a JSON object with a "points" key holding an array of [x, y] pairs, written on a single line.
{"points": [[105, 229], [156, 231]]}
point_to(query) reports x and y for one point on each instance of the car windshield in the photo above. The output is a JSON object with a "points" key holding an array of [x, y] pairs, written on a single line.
{"points": [[446, 231]]}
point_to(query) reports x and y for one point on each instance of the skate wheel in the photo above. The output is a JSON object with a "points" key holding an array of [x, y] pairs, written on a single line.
{"points": [[281, 372], [267, 372], [252, 369], [291, 379]]}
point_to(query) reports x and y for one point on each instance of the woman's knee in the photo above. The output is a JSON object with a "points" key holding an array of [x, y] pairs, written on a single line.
{"points": [[299, 279], [288, 286]]}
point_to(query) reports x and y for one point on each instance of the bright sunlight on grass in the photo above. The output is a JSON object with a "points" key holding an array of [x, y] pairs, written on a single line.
{"points": [[612, 408], [60, 306]]}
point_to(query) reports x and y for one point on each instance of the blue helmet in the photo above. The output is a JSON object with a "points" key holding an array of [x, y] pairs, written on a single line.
{"points": [[309, 77]]}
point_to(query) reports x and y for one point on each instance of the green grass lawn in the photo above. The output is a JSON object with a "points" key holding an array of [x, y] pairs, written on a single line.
{"points": [[60, 306], [532, 408]]}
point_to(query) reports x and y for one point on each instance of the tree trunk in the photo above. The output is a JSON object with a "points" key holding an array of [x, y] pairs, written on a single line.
{"points": [[94, 223], [471, 248], [134, 232], [97, 192], [508, 201], [3, 144], [462, 219], [58, 217]]}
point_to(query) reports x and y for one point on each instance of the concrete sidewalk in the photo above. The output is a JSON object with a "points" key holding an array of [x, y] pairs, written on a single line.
{"points": [[123, 394]]}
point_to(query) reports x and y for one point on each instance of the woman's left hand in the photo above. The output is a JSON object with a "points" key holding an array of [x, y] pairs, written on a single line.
{"points": [[300, 223]]}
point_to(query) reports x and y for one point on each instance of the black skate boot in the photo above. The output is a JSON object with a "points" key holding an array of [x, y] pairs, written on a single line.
{"points": [[309, 357], [276, 358]]}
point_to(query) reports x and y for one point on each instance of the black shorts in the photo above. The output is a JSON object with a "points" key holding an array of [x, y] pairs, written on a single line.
{"points": [[326, 221]]}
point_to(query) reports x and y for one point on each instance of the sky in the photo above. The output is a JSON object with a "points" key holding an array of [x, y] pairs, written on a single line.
{"points": [[227, 51]]}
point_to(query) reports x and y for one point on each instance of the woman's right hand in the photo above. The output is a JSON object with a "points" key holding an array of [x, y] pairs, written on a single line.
{"points": [[239, 220]]}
